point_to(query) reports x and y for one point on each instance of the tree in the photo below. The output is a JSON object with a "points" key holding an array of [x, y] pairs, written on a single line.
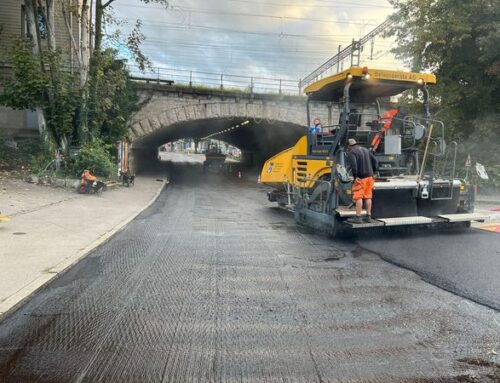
{"points": [[31, 8], [117, 99], [103, 12], [90, 64], [53, 92], [81, 12], [459, 41], [72, 107]]}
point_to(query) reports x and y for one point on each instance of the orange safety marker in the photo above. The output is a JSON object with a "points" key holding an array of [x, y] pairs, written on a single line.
{"points": [[495, 227]]}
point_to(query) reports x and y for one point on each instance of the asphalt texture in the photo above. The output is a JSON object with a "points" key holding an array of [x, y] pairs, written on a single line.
{"points": [[214, 284], [466, 262]]}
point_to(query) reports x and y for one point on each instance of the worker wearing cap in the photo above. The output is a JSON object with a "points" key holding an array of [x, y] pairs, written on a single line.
{"points": [[363, 166]]}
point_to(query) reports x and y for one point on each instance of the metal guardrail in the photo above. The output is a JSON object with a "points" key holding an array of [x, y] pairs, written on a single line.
{"points": [[193, 78], [223, 81]]}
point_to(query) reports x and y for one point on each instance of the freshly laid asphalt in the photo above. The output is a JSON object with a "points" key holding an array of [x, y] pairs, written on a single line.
{"points": [[466, 262], [214, 284]]}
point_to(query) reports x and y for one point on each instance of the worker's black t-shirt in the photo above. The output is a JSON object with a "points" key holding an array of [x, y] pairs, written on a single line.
{"points": [[362, 162]]}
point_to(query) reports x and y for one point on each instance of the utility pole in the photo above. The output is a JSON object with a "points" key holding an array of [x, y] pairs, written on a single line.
{"points": [[338, 62], [355, 53]]}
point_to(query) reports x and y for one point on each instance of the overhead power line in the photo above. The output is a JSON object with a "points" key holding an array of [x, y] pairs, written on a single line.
{"points": [[244, 14], [178, 26], [302, 5], [270, 49], [247, 14], [346, 52]]}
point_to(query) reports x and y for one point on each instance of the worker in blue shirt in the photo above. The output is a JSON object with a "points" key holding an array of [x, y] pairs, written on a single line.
{"points": [[316, 128]]}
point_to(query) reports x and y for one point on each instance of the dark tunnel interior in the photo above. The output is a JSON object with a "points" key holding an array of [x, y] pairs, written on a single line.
{"points": [[257, 139]]}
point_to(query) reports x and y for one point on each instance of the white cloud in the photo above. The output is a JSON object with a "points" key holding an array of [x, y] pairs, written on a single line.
{"points": [[228, 36]]}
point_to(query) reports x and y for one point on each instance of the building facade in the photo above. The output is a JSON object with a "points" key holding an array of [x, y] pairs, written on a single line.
{"points": [[13, 25]]}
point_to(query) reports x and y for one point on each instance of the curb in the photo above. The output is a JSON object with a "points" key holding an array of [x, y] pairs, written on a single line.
{"points": [[494, 217], [13, 302], [70, 261], [488, 202]]}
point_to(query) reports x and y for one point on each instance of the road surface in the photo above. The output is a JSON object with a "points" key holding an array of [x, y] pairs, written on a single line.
{"points": [[466, 262], [213, 284]]}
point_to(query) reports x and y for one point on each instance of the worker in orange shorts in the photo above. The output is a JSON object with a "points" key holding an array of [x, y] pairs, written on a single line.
{"points": [[363, 166]]}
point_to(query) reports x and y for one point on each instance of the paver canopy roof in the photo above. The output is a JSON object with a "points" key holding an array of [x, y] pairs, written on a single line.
{"points": [[364, 88]]}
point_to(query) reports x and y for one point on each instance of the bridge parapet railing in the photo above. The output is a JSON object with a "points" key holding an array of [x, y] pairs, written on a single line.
{"points": [[222, 81]]}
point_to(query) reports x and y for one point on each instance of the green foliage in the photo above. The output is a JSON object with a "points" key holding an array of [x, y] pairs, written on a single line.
{"points": [[95, 156], [63, 98], [93, 114], [40, 81], [116, 99], [9, 156], [28, 154], [41, 162], [458, 41], [26, 88], [58, 93]]}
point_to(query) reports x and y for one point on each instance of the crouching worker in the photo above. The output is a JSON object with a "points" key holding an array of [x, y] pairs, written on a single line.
{"points": [[363, 165], [86, 180]]}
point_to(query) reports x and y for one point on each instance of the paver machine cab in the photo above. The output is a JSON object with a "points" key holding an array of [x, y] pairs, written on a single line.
{"points": [[417, 181]]}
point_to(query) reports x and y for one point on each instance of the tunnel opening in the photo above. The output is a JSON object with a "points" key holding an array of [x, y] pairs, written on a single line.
{"points": [[257, 139], [206, 156], [197, 146], [197, 151]]}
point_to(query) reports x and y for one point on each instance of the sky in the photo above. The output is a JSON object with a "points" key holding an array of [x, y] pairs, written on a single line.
{"points": [[269, 40]]}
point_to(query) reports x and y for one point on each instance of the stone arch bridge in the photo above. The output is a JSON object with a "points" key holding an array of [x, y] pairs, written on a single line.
{"points": [[168, 113]]}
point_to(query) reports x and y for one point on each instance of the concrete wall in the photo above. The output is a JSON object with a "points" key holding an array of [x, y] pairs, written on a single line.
{"points": [[171, 113], [166, 106]]}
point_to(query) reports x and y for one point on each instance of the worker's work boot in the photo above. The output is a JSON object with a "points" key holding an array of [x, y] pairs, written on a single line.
{"points": [[356, 219], [368, 218]]}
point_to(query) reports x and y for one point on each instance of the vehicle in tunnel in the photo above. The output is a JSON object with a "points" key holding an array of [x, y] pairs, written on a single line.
{"points": [[214, 159], [417, 181]]}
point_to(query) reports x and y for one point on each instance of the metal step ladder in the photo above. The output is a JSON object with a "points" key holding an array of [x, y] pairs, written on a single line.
{"points": [[406, 221], [446, 182]]}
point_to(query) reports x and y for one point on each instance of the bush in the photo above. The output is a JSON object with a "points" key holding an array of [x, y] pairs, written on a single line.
{"points": [[8, 155], [95, 156], [28, 154], [41, 162]]}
